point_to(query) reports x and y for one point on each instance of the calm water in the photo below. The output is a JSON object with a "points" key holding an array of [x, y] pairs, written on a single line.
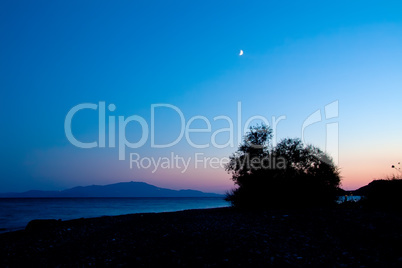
{"points": [[349, 198], [15, 213]]}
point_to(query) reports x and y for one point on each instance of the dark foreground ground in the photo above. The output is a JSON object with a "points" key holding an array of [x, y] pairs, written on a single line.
{"points": [[340, 237]]}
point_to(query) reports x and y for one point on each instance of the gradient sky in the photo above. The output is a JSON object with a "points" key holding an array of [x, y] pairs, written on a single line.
{"points": [[299, 56]]}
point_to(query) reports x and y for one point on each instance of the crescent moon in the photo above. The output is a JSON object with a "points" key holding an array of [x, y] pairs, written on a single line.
{"points": [[241, 52]]}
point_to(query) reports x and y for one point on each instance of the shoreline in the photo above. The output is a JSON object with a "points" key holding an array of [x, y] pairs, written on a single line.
{"points": [[60, 221], [17, 213], [212, 237]]}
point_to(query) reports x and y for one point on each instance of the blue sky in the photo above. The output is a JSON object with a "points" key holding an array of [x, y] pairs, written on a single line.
{"points": [[298, 58]]}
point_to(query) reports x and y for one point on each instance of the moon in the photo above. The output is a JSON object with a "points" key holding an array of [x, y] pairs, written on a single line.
{"points": [[241, 52]]}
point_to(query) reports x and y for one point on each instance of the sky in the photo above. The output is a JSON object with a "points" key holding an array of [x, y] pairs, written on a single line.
{"points": [[126, 78]]}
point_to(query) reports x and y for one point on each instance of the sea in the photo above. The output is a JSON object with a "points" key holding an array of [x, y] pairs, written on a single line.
{"points": [[349, 198], [15, 213]]}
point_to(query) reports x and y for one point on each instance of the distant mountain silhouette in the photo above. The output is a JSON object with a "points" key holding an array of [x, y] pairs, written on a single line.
{"points": [[383, 194], [387, 186], [122, 189]]}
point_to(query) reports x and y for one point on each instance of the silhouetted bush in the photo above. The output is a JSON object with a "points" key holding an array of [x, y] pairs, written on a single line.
{"points": [[287, 175]]}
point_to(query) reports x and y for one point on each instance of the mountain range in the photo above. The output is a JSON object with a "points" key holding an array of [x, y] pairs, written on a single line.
{"points": [[122, 189]]}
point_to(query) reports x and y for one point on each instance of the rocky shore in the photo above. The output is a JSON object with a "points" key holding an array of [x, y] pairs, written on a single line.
{"points": [[223, 237]]}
